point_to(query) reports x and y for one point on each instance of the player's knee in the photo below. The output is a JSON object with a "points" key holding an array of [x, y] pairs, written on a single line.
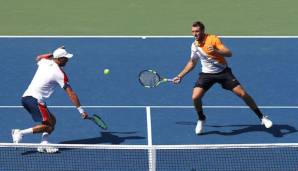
{"points": [[51, 129], [242, 94], [51, 121], [47, 128], [49, 125], [239, 91], [196, 97], [197, 94]]}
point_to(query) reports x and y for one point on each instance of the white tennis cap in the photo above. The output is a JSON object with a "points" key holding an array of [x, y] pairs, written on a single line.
{"points": [[60, 52]]}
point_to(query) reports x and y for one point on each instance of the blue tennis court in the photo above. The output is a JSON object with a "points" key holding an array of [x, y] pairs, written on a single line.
{"points": [[266, 67]]}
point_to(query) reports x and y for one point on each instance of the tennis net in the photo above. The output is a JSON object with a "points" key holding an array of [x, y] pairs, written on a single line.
{"points": [[224, 157]]}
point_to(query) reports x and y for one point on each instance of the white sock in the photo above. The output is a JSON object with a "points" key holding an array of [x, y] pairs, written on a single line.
{"points": [[44, 137], [27, 131]]}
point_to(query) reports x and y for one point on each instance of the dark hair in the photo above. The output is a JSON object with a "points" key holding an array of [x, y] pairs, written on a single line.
{"points": [[199, 24]]}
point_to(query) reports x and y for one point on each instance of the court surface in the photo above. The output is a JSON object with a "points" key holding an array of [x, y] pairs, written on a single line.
{"points": [[266, 68]]}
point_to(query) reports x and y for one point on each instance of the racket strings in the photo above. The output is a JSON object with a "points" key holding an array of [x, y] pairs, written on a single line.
{"points": [[149, 79]]}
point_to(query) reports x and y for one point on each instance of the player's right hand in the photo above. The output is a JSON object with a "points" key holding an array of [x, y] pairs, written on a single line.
{"points": [[176, 80], [84, 115]]}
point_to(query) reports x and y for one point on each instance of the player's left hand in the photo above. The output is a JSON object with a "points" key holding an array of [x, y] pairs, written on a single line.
{"points": [[211, 49]]}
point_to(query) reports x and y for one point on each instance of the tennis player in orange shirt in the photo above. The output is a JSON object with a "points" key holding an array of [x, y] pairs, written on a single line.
{"points": [[212, 52]]}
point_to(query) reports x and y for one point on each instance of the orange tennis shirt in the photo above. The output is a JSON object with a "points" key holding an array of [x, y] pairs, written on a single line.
{"points": [[211, 63]]}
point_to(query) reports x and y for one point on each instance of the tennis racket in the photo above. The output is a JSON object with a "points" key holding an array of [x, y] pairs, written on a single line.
{"points": [[150, 78], [98, 121]]}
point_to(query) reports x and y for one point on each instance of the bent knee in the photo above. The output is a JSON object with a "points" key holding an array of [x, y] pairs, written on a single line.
{"points": [[196, 97], [43, 128], [242, 94], [49, 125], [51, 121], [239, 91], [49, 129], [197, 94]]}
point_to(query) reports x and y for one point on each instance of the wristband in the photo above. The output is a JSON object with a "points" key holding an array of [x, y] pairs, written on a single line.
{"points": [[80, 109]]}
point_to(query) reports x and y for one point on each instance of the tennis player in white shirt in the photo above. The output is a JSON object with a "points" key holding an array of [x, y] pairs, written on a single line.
{"points": [[49, 75]]}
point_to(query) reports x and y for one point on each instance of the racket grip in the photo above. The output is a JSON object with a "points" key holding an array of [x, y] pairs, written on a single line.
{"points": [[169, 80], [90, 118]]}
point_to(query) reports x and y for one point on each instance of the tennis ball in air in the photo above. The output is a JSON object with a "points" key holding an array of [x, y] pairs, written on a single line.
{"points": [[106, 71]]}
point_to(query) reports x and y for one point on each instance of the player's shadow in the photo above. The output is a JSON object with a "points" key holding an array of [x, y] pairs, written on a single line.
{"points": [[105, 138], [277, 130]]}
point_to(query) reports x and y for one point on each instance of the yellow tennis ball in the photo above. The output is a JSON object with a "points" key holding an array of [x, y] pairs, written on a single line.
{"points": [[106, 71]]}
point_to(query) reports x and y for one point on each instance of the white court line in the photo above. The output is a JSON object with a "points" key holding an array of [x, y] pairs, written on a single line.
{"points": [[170, 146], [149, 127], [137, 36], [170, 107], [151, 152]]}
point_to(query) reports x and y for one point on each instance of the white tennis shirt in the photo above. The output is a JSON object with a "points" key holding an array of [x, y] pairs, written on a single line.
{"points": [[47, 77]]}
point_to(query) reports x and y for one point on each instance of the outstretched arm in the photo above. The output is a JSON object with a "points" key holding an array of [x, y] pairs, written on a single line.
{"points": [[44, 56], [188, 67], [75, 100], [48, 55]]}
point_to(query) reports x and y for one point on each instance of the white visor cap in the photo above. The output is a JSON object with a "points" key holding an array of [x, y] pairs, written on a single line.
{"points": [[59, 53]]}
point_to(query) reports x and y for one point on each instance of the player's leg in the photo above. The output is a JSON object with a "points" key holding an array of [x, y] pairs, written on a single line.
{"points": [[30, 104], [48, 123], [50, 126], [46, 128], [202, 85], [239, 91], [229, 82], [197, 96], [39, 113]]}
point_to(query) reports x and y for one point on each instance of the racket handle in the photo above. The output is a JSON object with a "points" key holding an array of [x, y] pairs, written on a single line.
{"points": [[89, 118], [169, 80]]}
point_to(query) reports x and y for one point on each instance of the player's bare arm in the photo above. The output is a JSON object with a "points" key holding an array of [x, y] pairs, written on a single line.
{"points": [[223, 51], [75, 100], [47, 56], [188, 67]]}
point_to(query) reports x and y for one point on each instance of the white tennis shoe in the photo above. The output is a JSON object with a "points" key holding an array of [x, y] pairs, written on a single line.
{"points": [[17, 136], [265, 121], [199, 127], [47, 149]]}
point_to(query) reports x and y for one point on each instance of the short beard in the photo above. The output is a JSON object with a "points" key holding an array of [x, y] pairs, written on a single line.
{"points": [[62, 65]]}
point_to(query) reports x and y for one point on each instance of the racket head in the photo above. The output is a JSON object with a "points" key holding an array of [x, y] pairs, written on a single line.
{"points": [[99, 122], [149, 78]]}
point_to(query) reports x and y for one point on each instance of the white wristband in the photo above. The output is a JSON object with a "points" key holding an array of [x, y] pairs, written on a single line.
{"points": [[80, 109]]}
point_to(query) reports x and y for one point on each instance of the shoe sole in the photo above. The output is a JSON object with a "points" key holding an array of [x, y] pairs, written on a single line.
{"points": [[269, 126], [48, 150]]}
